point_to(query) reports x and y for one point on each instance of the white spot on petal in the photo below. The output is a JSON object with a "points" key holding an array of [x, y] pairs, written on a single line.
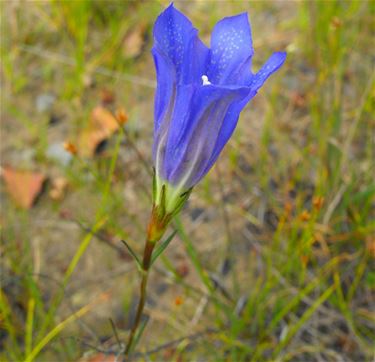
{"points": [[205, 80]]}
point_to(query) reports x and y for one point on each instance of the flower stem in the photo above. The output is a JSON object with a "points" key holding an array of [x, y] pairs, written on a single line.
{"points": [[149, 247]]}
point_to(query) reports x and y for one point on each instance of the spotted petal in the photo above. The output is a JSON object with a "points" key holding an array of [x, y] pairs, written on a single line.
{"points": [[274, 62], [175, 36], [231, 50]]}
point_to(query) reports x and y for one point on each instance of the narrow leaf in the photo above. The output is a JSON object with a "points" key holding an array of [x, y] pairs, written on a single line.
{"points": [[139, 333], [132, 253], [162, 247], [302, 320]]}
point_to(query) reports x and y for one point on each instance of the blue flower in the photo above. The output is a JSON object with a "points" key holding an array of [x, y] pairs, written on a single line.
{"points": [[200, 95]]}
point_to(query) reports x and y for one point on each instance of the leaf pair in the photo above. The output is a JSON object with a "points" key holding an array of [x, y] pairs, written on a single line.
{"points": [[163, 245]]}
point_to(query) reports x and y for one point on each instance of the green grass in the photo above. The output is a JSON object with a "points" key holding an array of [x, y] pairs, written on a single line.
{"points": [[288, 210]]}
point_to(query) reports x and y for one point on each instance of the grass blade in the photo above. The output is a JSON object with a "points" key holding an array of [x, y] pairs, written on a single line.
{"points": [[56, 330], [309, 312], [29, 326]]}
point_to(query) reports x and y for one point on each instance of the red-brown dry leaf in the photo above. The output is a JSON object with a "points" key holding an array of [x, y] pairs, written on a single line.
{"points": [[107, 96], [23, 186], [371, 246], [101, 126]]}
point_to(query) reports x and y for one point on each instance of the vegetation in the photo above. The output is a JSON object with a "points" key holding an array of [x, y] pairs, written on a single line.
{"points": [[272, 256]]}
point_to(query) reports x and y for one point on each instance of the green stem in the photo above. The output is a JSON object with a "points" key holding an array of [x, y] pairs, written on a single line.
{"points": [[146, 262]]}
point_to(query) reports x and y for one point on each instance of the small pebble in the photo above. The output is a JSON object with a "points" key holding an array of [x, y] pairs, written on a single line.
{"points": [[44, 102], [57, 152]]}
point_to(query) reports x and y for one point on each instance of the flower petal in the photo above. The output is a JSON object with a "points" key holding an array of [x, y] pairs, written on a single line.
{"points": [[166, 84], [196, 122], [231, 50], [274, 62], [228, 126], [175, 36], [171, 31], [171, 128], [195, 60], [176, 43]]}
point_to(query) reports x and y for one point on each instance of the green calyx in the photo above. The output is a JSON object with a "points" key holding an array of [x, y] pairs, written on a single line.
{"points": [[168, 200]]}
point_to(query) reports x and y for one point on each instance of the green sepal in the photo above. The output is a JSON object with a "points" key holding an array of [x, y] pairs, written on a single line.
{"points": [[153, 185], [162, 201], [181, 202]]}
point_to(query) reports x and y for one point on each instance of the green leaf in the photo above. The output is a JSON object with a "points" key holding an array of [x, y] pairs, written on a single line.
{"points": [[162, 247], [370, 279], [139, 332], [293, 329], [132, 253]]}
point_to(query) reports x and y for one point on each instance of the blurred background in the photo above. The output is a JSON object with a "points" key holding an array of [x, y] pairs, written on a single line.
{"points": [[273, 253]]}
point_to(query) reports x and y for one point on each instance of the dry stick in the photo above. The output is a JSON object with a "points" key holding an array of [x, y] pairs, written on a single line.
{"points": [[191, 338]]}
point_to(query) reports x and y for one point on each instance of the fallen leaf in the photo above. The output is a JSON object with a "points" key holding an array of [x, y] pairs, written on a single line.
{"points": [[59, 185], [102, 125], [103, 120], [88, 142], [23, 186], [133, 42]]}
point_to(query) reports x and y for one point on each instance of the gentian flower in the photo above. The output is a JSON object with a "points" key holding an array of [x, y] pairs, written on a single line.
{"points": [[200, 95]]}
